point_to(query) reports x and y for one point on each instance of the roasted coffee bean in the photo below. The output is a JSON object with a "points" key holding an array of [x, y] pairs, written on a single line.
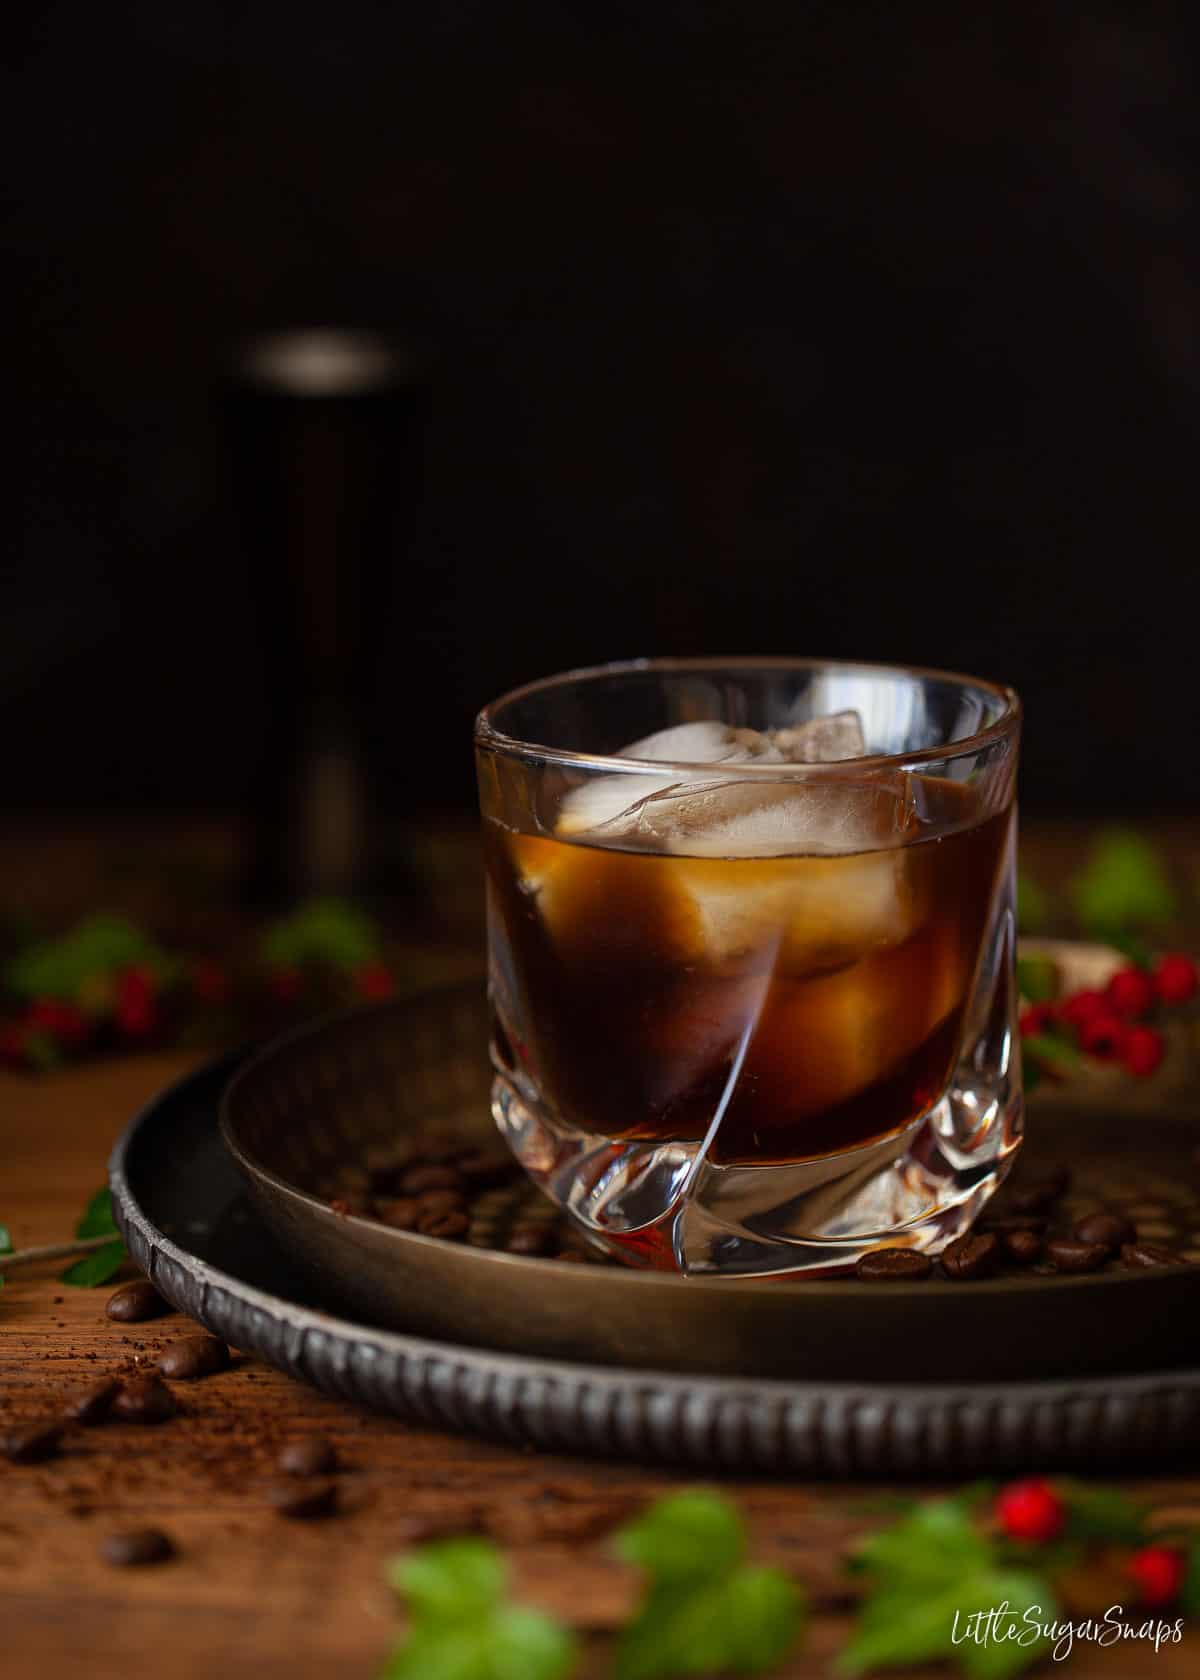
{"points": [[440, 1201], [1138, 1255], [1068, 1254], [136, 1301], [972, 1256], [145, 1399], [451, 1226], [352, 1179], [532, 1239], [194, 1356], [1111, 1230], [482, 1168], [383, 1159], [304, 1501], [32, 1443], [91, 1405], [400, 1214], [135, 1547], [312, 1455], [416, 1180], [1021, 1247], [887, 1265]]}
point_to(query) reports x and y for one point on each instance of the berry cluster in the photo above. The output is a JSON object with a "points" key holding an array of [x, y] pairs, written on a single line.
{"points": [[1035, 1512], [1112, 1025]]}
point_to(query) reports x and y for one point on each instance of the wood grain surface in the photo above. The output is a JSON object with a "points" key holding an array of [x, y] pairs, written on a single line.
{"points": [[250, 1594]]}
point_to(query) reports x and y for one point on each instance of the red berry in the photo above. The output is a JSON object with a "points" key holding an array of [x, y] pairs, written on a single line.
{"points": [[286, 984], [373, 980], [1175, 978], [1158, 1571], [1036, 1019], [1082, 1005], [1030, 1510], [1103, 1036], [65, 1023], [137, 1017], [210, 982], [1142, 1051], [1130, 993]]}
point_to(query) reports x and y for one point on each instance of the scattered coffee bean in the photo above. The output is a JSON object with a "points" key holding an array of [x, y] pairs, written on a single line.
{"points": [[351, 1204], [194, 1356], [1068, 1254], [91, 1405], [145, 1399], [416, 1180], [1142, 1254], [1111, 1230], [384, 1160], [972, 1256], [136, 1301], [435, 1202], [1021, 1247], [532, 1239], [33, 1443], [303, 1501], [136, 1547], [883, 1265], [313, 1455], [352, 1180], [451, 1226], [400, 1214]]}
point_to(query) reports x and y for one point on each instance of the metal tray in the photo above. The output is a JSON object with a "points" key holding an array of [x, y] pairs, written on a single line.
{"points": [[190, 1225]]}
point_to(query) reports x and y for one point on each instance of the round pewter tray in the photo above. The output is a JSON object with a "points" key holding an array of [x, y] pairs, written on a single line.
{"points": [[328, 1093], [183, 1211]]}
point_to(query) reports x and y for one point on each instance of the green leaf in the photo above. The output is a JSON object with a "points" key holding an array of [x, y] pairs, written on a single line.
{"points": [[97, 1218], [1049, 1050], [323, 931], [1189, 1594], [692, 1535], [450, 1580], [1033, 905], [97, 1267], [740, 1625], [1123, 885], [937, 1541], [99, 945], [6, 1246], [1103, 1514], [763, 1611], [525, 1645], [914, 1623]]}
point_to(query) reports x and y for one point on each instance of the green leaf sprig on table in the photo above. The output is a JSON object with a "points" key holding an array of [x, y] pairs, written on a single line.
{"points": [[705, 1610], [928, 1575], [102, 1263], [1123, 889], [462, 1626], [6, 1247]]}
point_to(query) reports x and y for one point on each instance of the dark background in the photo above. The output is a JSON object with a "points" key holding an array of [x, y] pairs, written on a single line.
{"points": [[765, 329]]}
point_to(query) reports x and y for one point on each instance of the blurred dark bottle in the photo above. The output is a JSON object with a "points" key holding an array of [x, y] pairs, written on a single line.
{"points": [[325, 428]]}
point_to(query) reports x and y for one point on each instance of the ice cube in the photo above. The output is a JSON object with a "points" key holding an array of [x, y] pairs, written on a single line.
{"points": [[605, 799], [822, 740]]}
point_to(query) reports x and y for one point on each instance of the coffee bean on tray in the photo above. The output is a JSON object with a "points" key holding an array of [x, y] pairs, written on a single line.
{"points": [[145, 1399], [400, 1213], [303, 1501], [135, 1547], [1037, 1195], [1137, 1256], [451, 1226], [414, 1181], [1022, 1247], [136, 1301], [972, 1256], [32, 1443], [1109, 1229], [1069, 1254], [887, 1265], [91, 1405], [439, 1201], [482, 1168], [194, 1356], [532, 1239], [312, 1455]]}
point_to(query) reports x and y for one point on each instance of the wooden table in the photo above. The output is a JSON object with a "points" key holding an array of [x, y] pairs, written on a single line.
{"points": [[250, 1594]]}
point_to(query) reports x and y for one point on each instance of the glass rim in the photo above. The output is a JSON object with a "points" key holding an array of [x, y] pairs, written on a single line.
{"points": [[1005, 726]]}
